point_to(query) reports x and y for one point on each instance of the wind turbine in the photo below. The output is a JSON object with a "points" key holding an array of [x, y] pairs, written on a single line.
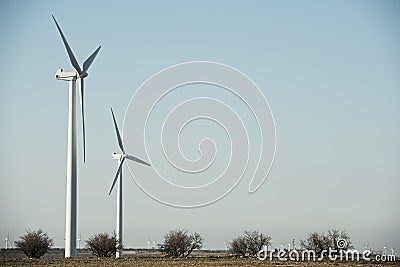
{"points": [[121, 158], [71, 202], [7, 241], [79, 241]]}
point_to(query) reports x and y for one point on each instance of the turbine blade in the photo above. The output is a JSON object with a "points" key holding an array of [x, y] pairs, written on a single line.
{"points": [[88, 62], [137, 160], [70, 54], [117, 131], [83, 118], [116, 176]]}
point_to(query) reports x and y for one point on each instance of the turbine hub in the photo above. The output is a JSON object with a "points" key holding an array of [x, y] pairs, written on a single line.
{"points": [[83, 75]]}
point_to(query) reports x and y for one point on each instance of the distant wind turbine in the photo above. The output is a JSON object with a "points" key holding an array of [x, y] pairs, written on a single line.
{"points": [[121, 158], [79, 241], [72, 76], [7, 240]]}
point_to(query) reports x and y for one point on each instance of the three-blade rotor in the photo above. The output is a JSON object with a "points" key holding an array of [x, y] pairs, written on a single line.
{"points": [[81, 74], [123, 155]]}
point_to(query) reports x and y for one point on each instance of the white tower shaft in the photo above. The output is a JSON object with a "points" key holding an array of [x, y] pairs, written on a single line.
{"points": [[70, 216], [118, 230]]}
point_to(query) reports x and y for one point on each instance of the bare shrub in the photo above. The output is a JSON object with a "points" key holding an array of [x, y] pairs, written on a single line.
{"points": [[250, 243], [34, 244], [324, 241], [103, 245], [178, 243]]}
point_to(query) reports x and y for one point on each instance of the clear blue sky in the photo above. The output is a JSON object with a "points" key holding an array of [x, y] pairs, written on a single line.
{"points": [[329, 69]]}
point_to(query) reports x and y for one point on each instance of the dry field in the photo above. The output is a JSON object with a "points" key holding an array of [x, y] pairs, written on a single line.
{"points": [[146, 259], [164, 262]]}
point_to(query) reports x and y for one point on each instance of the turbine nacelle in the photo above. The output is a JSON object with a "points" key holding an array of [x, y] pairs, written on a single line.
{"points": [[69, 75], [124, 156], [66, 75], [117, 156]]}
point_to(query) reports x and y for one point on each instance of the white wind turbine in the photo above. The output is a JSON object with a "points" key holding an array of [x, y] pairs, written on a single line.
{"points": [[79, 241], [71, 202], [121, 158], [7, 240]]}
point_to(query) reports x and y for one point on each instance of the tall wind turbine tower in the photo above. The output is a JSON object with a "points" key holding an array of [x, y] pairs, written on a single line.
{"points": [[71, 202], [121, 158]]}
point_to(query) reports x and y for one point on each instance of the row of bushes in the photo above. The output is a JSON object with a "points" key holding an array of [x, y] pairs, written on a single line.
{"points": [[181, 243], [35, 244]]}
